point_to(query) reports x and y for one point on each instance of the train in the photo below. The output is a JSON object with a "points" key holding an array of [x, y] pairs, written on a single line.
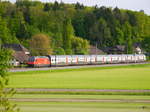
{"points": [[66, 60]]}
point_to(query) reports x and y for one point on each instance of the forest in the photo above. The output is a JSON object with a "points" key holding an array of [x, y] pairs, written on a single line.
{"points": [[59, 28]]}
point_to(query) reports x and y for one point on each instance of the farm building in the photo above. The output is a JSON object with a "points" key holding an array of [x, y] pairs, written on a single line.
{"points": [[94, 50], [20, 54], [118, 49]]}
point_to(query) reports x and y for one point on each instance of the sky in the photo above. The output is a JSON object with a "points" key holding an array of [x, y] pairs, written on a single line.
{"points": [[136, 5]]}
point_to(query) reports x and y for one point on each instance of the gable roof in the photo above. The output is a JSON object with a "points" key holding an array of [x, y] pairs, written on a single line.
{"points": [[118, 49], [15, 47], [94, 50]]}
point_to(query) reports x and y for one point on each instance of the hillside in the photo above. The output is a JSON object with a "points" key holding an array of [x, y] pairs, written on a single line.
{"points": [[71, 28]]}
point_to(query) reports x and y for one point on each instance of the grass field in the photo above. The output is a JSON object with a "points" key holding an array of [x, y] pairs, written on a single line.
{"points": [[83, 107], [123, 77], [131, 77]]}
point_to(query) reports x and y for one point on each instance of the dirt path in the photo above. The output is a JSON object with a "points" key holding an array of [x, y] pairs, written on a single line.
{"points": [[29, 90], [78, 100], [77, 90]]}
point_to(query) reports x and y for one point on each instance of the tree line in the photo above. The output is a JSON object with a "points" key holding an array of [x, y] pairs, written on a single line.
{"points": [[71, 28]]}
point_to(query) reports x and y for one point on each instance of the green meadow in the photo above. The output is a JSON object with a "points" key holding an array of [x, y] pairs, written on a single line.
{"points": [[82, 107], [118, 77], [127, 77]]}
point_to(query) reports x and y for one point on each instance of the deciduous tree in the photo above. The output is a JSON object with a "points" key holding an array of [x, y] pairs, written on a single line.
{"points": [[80, 46], [128, 38], [40, 45], [5, 104], [68, 33]]}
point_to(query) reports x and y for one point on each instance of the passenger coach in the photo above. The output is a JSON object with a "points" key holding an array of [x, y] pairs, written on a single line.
{"points": [[62, 60]]}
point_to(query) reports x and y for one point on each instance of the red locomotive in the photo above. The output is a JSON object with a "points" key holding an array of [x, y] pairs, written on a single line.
{"points": [[39, 61]]}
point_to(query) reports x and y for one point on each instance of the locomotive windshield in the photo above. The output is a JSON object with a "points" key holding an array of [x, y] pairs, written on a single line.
{"points": [[31, 59]]}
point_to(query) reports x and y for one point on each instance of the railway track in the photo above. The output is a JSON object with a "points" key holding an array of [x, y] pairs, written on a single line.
{"points": [[70, 67]]}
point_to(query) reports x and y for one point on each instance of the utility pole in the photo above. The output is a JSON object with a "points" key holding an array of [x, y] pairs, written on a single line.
{"points": [[0, 39], [96, 48]]}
